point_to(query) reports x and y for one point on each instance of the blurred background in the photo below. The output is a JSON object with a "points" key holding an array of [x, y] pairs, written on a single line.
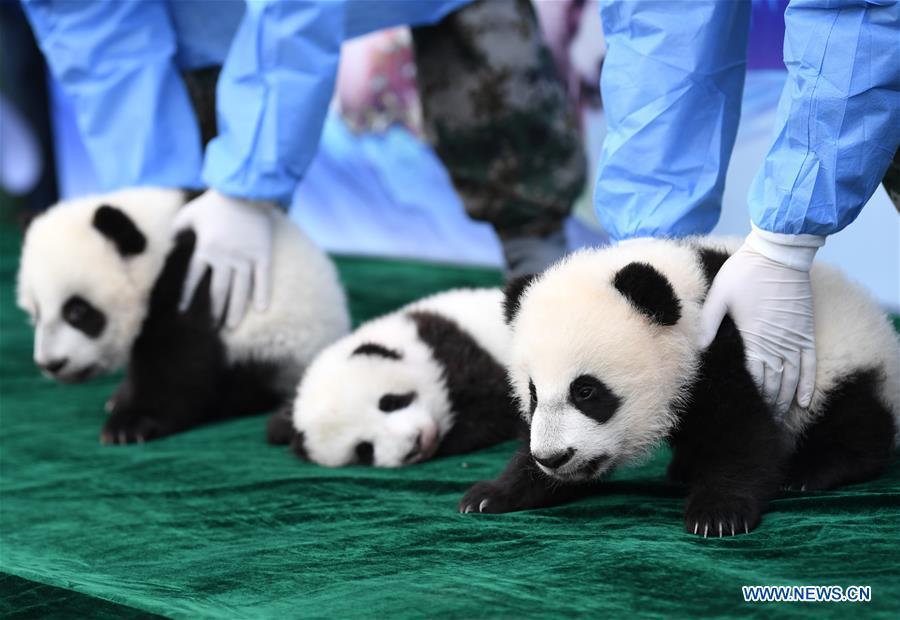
{"points": [[376, 188]]}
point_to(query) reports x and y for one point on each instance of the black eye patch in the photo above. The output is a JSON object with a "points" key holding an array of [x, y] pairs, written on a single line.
{"points": [[532, 391], [365, 453], [395, 402], [592, 398], [80, 314], [372, 348]]}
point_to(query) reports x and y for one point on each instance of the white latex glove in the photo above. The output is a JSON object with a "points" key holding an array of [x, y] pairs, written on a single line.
{"points": [[234, 239], [765, 287]]}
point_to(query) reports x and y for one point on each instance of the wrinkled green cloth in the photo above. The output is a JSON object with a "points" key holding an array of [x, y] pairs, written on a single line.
{"points": [[215, 523]]}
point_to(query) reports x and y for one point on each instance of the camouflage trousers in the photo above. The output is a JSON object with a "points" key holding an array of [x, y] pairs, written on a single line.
{"points": [[498, 116], [495, 111]]}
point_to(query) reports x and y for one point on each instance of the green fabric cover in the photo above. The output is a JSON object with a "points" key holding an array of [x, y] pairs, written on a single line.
{"points": [[215, 523]]}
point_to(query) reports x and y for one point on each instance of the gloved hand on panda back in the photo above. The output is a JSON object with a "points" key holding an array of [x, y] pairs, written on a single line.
{"points": [[234, 240], [765, 287]]}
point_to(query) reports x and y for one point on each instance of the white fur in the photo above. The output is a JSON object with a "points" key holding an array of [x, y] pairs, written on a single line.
{"points": [[337, 401], [63, 254], [307, 310], [573, 321]]}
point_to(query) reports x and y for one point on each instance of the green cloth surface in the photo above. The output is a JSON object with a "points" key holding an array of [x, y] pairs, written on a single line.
{"points": [[215, 523]]}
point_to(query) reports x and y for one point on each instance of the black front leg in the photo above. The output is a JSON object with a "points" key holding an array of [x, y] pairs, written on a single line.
{"points": [[177, 363], [728, 447], [521, 486]]}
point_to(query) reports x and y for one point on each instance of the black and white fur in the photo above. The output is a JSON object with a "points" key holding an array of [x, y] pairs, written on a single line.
{"points": [[605, 364], [101, 277], [427, 380]]}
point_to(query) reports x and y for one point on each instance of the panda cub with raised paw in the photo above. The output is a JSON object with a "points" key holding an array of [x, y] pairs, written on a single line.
{"points": [[427, 380], [101, 278], [605, 364]]}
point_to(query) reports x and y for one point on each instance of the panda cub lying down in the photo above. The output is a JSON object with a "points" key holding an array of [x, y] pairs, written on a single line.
{"points": [[605, 366], [101, 278], [427, 380]]}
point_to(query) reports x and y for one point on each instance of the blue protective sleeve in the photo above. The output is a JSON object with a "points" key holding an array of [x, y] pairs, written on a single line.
{"points": [[672, 83], [114, 60], [838, 122], [277, 83]]}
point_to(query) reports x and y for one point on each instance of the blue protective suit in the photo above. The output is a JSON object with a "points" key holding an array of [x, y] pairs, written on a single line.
{"points": [[672, 83], [119, 62]]}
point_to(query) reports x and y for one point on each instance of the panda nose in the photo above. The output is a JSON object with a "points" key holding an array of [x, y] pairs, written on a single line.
{"points": [[54, 366], [555, 460]]}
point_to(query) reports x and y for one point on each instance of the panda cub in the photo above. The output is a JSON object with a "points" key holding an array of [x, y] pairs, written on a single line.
{"points": [[605, 364], [427, 380], [101, 278]]}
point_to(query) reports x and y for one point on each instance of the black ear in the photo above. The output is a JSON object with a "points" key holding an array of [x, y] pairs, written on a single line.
{"points": [[513, 292], [649, 292], [120, 229]]}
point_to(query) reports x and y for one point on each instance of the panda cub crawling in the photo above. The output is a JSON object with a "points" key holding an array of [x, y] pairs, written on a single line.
{"points": [[427, 380], [101, 278], [605, 364]]}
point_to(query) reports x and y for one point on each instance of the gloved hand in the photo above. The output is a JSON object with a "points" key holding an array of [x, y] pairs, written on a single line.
{"points": [[234, 239], [765, 287]]}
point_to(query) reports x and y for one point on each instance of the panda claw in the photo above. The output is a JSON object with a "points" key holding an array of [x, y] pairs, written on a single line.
{"points": [[696, 526], [803, 487], [746, 527], [482, 505], [705, 529], [732, 528], [720, 529], [468, 509]]}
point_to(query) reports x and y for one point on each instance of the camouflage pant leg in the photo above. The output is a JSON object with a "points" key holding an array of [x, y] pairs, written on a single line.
{"points": [[499, 118], [892, 180]]}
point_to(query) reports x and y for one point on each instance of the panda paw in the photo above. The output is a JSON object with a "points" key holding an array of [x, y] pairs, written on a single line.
{"points": [[488, 496], [118, 400], [806, 481], [122, 429], [710, 515], [799, 486], [280, 427]]}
